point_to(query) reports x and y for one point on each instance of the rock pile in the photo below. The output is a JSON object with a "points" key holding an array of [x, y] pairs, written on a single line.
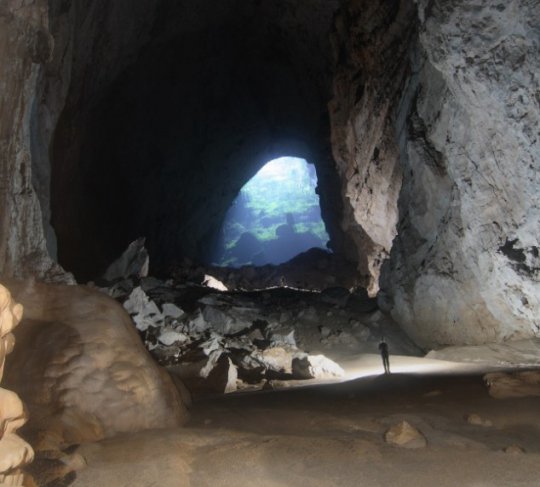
{"points": [[221, 341], [225, 341]]}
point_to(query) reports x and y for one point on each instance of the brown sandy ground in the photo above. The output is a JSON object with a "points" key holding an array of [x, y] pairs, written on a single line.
{"points": [[332, 435]]}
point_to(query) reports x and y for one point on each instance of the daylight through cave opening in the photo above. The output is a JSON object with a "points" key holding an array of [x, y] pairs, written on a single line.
{"points": [[275, 216]]}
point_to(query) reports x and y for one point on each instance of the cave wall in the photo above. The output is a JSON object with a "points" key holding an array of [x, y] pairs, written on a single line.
{"points": [[371, 46], [147, 119], [461, 135], [434, 130], [25, 48]]}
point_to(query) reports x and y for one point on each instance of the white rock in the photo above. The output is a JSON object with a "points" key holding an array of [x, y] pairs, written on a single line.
{"points": [[220, 321], [143, 311], [461, 178], [197, 323], [276, 358], [212, 361], [171, 310], [214, 283], [232, 378], [168, 337], [322, 367], [212, 345], [514, 450], [518, 384]]}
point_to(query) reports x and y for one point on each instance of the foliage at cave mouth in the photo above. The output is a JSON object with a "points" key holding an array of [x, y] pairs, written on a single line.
{"points": [[275, 217]]}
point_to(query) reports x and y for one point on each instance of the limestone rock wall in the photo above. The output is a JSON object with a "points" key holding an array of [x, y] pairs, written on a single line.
{"points": [[464, 267], [371, 45], [25, 45], [14, 451]]}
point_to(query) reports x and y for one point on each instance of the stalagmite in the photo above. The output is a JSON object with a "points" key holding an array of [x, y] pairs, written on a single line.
{"points": [[14, 451]]}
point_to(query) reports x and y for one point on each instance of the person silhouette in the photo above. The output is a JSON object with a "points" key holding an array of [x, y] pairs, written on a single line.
{"points": [[383, 348]]}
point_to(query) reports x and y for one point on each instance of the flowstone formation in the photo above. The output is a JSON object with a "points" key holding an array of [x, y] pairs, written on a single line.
{"points": [[14, 451], [444, 98], [82, 370]]}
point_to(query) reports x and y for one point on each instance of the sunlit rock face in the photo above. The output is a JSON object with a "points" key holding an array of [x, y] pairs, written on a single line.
{"points": [[371, 45], [464, 267]]}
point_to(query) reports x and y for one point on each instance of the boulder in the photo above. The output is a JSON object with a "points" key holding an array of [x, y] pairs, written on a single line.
{"points": [[214, 283], [134, 262], [322, 367], [514, 449], [503, 385], [169, 337], [476, 420], [405, 435], [143, 310]]}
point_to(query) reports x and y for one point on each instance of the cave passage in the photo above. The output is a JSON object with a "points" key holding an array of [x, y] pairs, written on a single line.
{"points": [[275, 216]]}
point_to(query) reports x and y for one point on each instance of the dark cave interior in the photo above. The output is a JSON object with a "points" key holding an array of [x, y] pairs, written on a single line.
{"points": [[161, 147]]}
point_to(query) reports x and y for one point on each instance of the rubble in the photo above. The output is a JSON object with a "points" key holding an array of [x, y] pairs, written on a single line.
{"points": [[133, 262], [214, 340]]}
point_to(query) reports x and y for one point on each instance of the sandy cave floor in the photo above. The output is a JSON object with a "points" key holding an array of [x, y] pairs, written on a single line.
{"points": [[332, 435]]}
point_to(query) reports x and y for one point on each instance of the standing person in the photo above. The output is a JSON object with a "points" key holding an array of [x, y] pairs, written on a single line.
{"points": [[383, 348]]}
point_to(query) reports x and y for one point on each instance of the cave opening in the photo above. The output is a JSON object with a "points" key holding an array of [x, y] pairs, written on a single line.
{"points": [[157, 138], [275, 216]]}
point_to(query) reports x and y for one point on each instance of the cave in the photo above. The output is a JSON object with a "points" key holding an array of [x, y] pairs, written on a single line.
{"points": [[150, 348]]}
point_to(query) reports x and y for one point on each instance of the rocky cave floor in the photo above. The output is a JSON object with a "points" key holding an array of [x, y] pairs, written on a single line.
{"points": [[332, 435], [307, 402]]}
